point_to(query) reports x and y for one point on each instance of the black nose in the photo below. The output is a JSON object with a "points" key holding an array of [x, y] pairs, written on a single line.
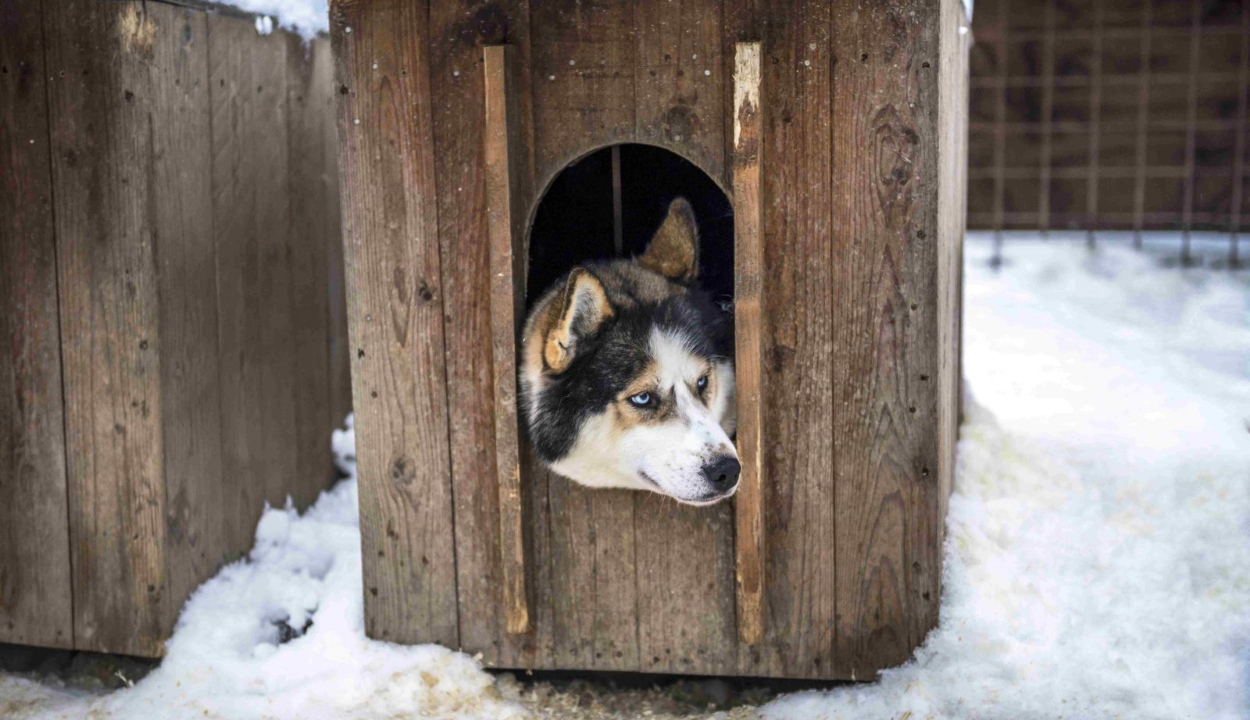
{"points": [[722, 473]]}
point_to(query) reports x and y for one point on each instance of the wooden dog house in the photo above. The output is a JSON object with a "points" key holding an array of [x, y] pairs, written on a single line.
{"points": [[172, 349], [837, 128]]}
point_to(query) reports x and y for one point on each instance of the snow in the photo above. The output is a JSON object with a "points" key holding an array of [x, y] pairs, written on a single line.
{"points": [[305, 17], [1097, 565]]}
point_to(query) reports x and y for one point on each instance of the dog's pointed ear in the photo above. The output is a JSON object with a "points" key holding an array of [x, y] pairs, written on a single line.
{"points": [[674, 251], [583, 307]]}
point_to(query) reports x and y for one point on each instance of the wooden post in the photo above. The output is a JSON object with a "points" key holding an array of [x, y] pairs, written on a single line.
{"points": [[506, 206], [748, 294]]}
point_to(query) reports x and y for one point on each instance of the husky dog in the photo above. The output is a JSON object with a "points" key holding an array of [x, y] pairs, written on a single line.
{"points": [[626, 380]]}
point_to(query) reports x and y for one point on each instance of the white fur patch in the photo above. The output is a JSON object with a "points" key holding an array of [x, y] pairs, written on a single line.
{"points": [[669, 456]]}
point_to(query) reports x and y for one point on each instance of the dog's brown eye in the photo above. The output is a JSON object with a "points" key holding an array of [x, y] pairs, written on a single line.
{"points": [[642, 399]]}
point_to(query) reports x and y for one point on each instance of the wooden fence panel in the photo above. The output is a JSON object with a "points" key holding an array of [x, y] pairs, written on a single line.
{"points": [[197, 495], [194, 314], [101, 104], [35, 590]]}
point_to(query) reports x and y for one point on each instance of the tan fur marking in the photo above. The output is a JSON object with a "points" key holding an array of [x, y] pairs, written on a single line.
{"points": [[674, 251], [585, 303]]}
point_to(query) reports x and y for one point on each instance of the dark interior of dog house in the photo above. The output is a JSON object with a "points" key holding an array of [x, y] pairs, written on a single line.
{"points": [[609, 203]]}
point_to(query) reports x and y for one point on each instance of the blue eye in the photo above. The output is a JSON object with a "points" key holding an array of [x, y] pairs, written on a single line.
{"points": [[702, 384], [642, 399]]}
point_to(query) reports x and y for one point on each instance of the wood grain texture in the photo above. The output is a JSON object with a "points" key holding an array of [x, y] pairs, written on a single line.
{"points": [[198, 497], [507, 204], [35, 586], [583, 64], [395, 311], [799, 327], [251, 216], [338, 343], [954, 46], [457, 34], [749, 291], [886, 369], [101, 103], [594, 591], [679, 77], [313, 228]]}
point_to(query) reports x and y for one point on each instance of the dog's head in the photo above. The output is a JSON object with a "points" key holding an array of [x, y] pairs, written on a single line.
{"points": [[626, 379]]}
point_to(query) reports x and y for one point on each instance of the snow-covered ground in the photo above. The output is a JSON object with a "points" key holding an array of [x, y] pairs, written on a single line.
{"points": [[1098, 564]]}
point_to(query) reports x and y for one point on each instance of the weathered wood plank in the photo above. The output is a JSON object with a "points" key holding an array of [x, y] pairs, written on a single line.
{"points": [[395, 309], [748, 357], [679, 80], [593, 577], [101, 104], [457, 34], [248, 96], [197, 494], [35, 586], [799, 310], [507, 203], [336, 293], [887, 358], [583, 67], [311, 232], [954, 46]]}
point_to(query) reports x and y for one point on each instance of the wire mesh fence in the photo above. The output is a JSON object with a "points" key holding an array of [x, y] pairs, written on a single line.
{"points": [[1112, 115]]}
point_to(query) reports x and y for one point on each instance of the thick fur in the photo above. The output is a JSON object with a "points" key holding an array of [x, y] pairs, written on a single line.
{"points": [[610, 331]]}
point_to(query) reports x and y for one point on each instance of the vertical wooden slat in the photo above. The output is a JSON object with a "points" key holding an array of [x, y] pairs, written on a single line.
{"points": [[101, 103], [1048, 112], [683, 555], [952, 172], [1143, 126], [339, 362], [886, 351], [1191, 129], [801, 111], [506, 205], [1239, 152], [251, 220], [35, 587], [748, 358], [199, 497], [457, 33], [396, 320], [312, 230], [679, 80]]}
